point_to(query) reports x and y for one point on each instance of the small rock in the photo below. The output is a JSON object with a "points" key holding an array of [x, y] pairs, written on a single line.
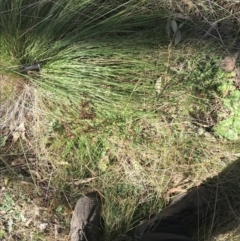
{"points": [[42, 226]]}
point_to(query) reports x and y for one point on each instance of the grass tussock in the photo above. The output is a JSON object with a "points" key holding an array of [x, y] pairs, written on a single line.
{"points": [[79, 57]]}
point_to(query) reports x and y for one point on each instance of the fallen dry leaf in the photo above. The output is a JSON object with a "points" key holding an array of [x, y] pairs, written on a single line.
{"points": [[36, 211], [56, 229], [19, 132], [2, 212], [31, 159], [228, 63], [21, 127], [28, 222], [189, 3], [177, 179], [173, 190], [158, 85], [84, 181], [18, 162], [16, 136], [36, 174], [26, 183]]}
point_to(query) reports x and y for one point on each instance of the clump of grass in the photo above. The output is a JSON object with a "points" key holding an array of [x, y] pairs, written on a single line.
{"points": [[79, 56]]}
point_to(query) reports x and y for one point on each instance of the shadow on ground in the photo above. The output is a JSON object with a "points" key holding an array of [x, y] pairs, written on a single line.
{"points": [[224, 218]]}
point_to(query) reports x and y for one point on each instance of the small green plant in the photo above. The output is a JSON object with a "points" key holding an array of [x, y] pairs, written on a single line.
{"points": [[2, 233], [59, 209], [12, 213], [2, 140], [230, 127], [7, 203], [203, 73]]}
